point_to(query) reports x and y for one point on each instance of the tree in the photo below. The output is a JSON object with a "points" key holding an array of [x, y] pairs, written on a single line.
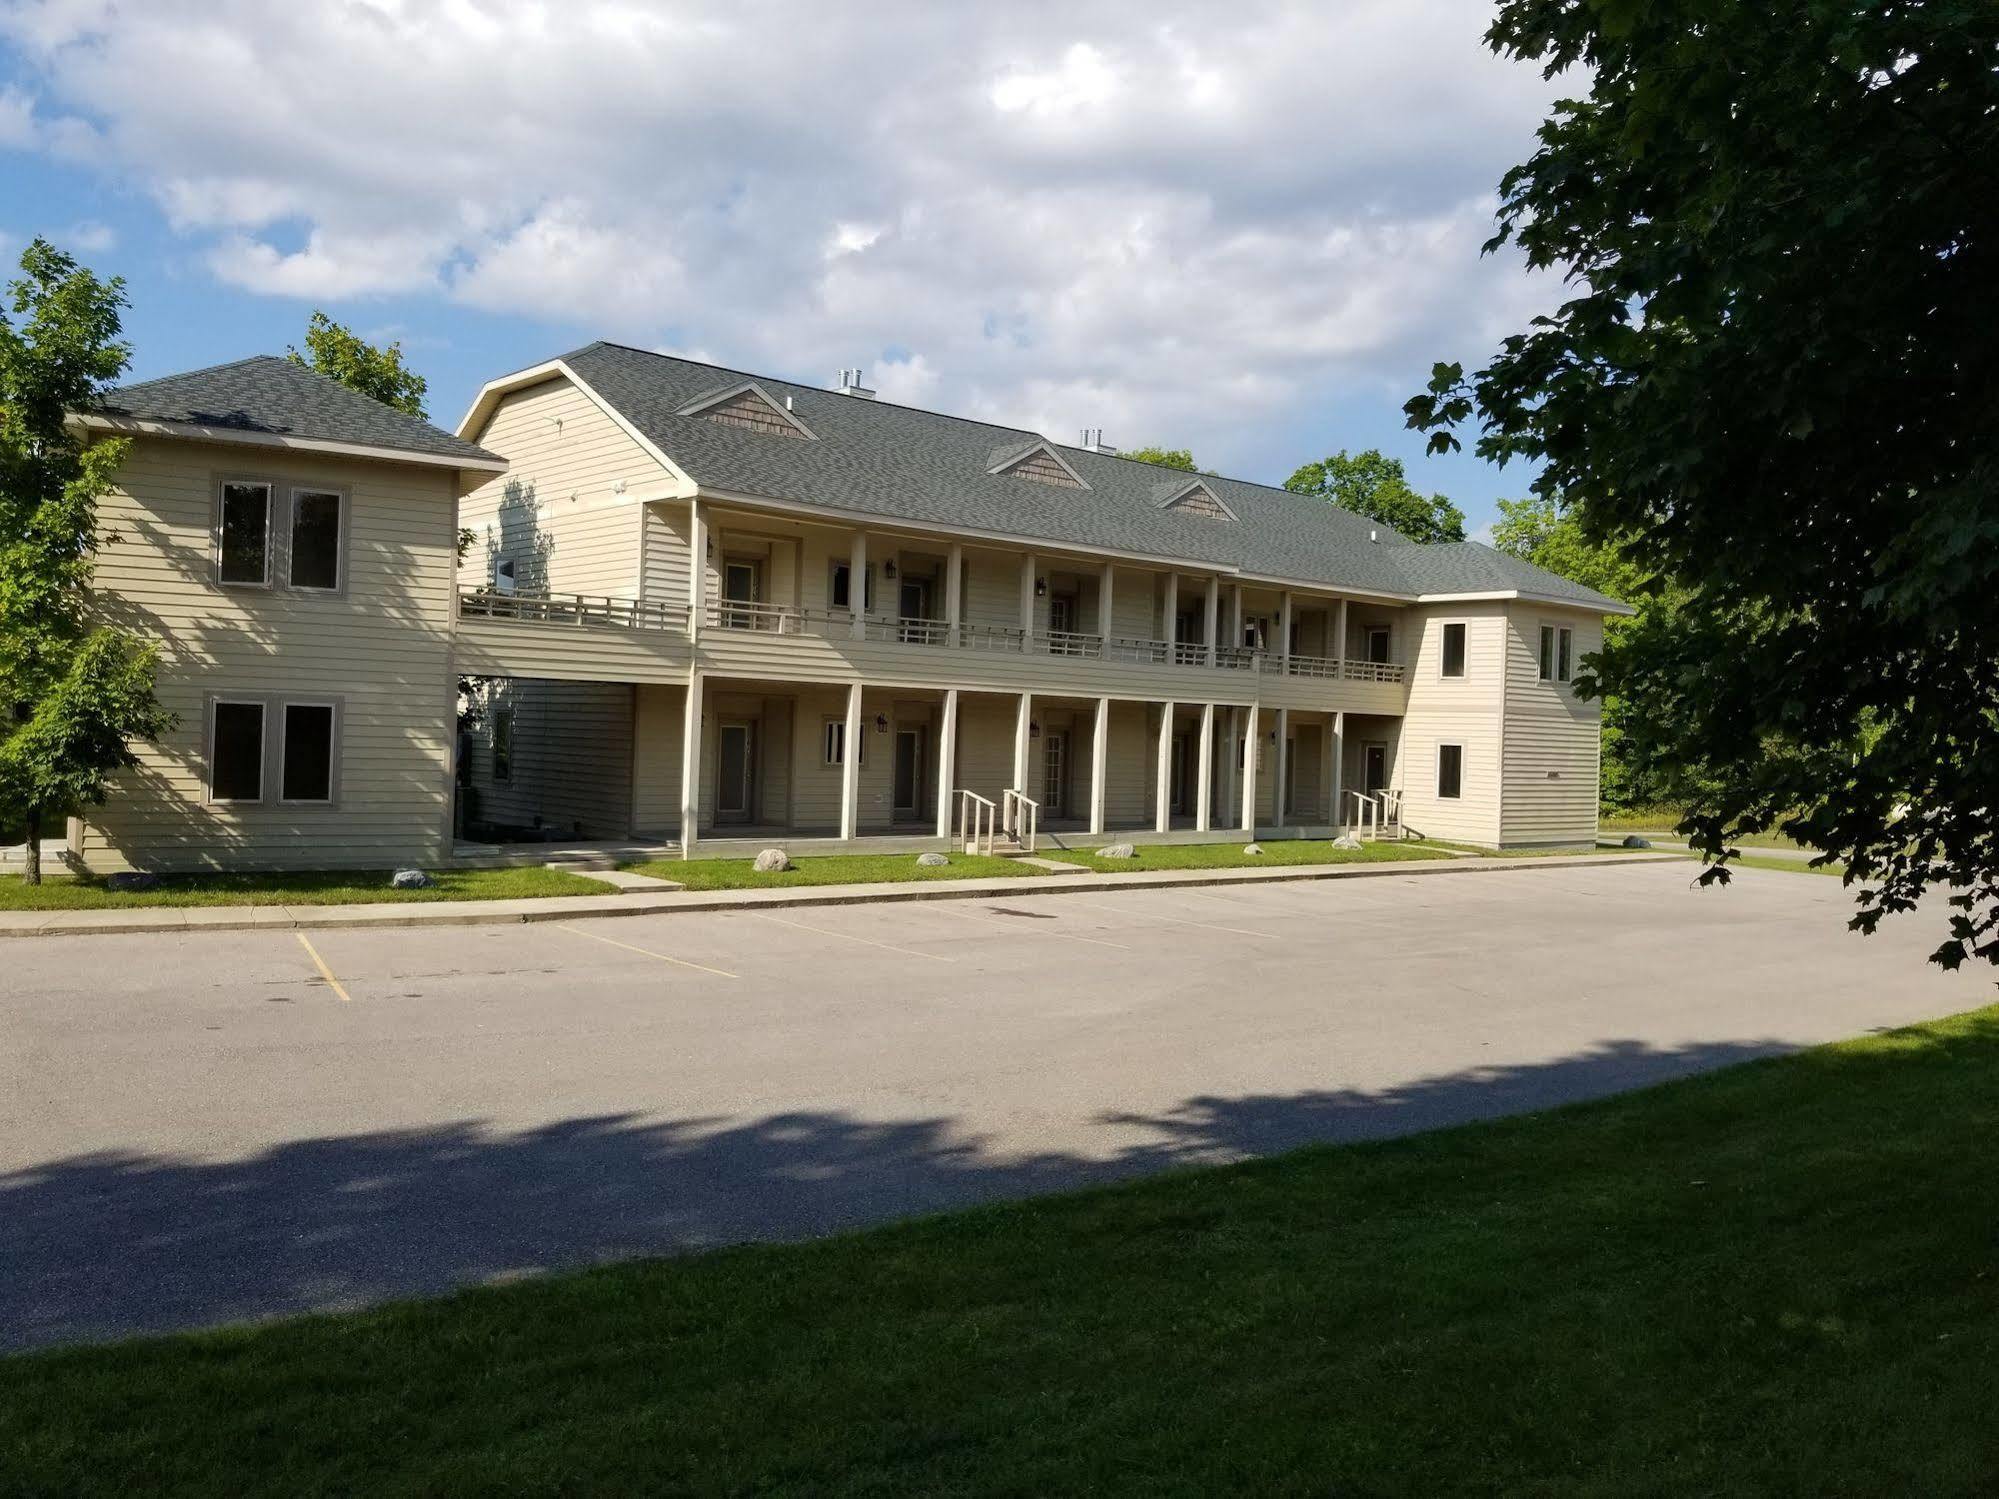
{"points": [[1181, 458], [339, 353], [1375, 486], [1774, 381], [73, 694]]}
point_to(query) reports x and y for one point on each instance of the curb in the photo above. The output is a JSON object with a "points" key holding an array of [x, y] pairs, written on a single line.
{"points": [[174, 919]]}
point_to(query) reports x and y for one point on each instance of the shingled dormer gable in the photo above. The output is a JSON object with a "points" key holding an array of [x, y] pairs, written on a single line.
{"points": [[1193, 497], [748, 405], [1036, 461]]}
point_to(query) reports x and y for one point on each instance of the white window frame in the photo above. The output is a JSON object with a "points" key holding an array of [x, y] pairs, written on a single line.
{"points": [[240, 700], [832, 742], [223, 484], [506, 576], [1459, 794], [1463, 674], [833, 567], [1556, 659], [1544, 658], [341, 515], [336, 708]]}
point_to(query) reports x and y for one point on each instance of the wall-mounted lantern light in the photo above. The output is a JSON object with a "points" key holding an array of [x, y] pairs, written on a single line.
{"points": [[881, 723], [1041, 588], [1033, 730], [888, 569]]}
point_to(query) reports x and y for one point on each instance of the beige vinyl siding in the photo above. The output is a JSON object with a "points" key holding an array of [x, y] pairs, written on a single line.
{"points": [[985, 744], [1552, 737], [666, 554], [1465, 711], [1128, 774], [381, 647], [656, 760], [557, 510], [572, 757]]}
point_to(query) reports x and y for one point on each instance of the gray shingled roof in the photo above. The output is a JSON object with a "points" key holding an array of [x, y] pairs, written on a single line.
{"points": [[270, 395], [896, 461]]}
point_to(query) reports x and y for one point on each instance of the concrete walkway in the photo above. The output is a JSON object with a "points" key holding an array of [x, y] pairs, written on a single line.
{"points": [[644, 902]]}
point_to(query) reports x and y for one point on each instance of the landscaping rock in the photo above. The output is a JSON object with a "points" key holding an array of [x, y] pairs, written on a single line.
{"points": [[1632, 840], [411, 879], [932, 861], [131, 879], [1346, 840], [773, 861], [1252, 849], [1117, 851]]}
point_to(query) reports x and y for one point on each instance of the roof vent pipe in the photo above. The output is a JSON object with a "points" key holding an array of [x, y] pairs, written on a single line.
{"points": [[1373, 535], [850, 385]]}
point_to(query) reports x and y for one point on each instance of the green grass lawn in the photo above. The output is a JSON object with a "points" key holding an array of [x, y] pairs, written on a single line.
{"points": [[1778, 1279], [331, 888], [828, 869], [1657, 822], [1231, 855]]}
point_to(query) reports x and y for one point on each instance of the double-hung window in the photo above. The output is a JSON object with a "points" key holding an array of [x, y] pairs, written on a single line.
{"points": [[315, 539], [1557, 653], [1454, 651], [1450, 771]]}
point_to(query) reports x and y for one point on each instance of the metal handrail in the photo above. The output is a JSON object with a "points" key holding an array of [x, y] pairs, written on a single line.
{"points": [[978, 821], [1020, 818]]}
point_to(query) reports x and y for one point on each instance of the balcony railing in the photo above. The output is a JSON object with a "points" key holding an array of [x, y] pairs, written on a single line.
{"points": [[838, 624]]}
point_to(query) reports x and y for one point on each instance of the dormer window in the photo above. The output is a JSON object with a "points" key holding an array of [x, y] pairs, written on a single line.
{"points": [[1038, 463], [748, 405]]}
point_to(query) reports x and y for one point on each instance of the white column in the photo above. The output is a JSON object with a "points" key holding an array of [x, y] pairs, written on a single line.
{"points": [[1204, 773], [850, 768], [1162, 798], [1104, 610], [947, 757], [690, 765], [954, 595], [1171, 624], [857, 587], [1210, 610], [1023, 722], [1027, 600], [1284, 631], [1340, 646], [1100, 759], [1249, 769], [1336, 737], [697, 569], [1280, 765]]}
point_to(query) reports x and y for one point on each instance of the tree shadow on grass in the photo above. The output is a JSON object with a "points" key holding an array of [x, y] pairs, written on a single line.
{"points": [[111, 1244]]}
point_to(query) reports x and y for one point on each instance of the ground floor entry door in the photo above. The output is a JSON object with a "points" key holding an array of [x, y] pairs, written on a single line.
{"points": [[1055, 774], [735, 771], [1374, 771], [908, 772]]}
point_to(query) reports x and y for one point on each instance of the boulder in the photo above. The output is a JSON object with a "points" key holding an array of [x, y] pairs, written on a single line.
{"points": [[1632, 840], [1347, 841], [1252, 849], [410, 879], [773, 861], [131, 879], [1117, 851], [932, 861]]}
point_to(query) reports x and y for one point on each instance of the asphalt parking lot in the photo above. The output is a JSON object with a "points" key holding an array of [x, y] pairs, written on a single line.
{"points": [[206, 1127]]}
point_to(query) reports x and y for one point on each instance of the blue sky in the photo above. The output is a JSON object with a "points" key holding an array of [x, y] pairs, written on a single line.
{"points": [[1248, 230]]}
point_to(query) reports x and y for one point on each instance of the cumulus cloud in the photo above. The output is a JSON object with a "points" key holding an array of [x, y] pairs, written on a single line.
{"points": [[1175, 220]]}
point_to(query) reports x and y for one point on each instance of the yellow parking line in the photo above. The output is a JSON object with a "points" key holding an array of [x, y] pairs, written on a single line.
{"points": [[720, 973], [827, 931], [1065, 936], [1240, 931], [324, 972]]}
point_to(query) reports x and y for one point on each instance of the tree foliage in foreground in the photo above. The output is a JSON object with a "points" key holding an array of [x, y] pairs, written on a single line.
{"points": [[339, 353], [73, 693], [1775, 380], [1372, 484]]}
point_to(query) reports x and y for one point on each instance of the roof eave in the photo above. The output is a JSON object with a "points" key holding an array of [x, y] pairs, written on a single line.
{"points": [[1501, 595], [95, 421]]}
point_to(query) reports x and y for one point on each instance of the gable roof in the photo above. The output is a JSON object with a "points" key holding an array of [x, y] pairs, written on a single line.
{"points": [[881, 460], [268, 400]]}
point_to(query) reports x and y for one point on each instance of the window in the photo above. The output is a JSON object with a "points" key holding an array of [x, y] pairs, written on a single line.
{"points": [[307, 771], [1547, 653], [1557, 654], [836, 742], [1454, 650], [1562, 653], [503, 744], [1450, 771], [839, 590], [315, 543], [236, 752], [243, 534], [503, 575], [1377, 645]]}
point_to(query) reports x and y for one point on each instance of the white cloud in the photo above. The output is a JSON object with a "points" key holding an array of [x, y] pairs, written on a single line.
{"points": [[17, 119], [1181, 222], [89, 237]]}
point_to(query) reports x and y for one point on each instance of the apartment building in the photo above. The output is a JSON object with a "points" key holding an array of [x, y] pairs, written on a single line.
{"points": [[682, 605]]}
